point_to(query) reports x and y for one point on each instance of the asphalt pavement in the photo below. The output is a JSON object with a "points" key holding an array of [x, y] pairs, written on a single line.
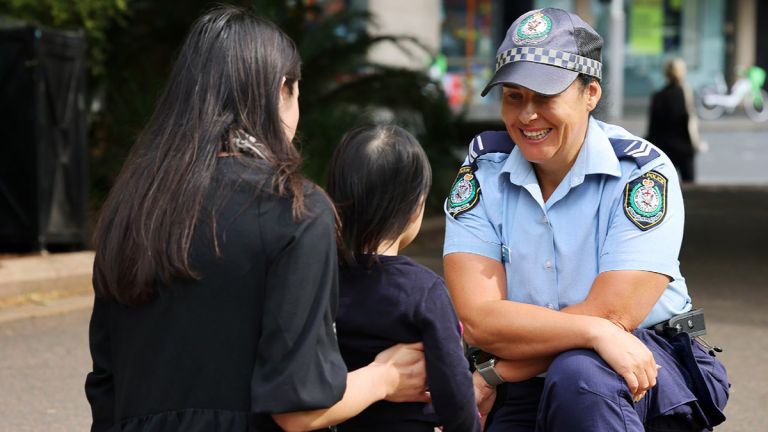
{"points": [[43, 362]]}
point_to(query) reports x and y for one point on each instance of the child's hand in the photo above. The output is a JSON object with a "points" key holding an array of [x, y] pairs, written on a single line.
{"points": [[485, 396]]}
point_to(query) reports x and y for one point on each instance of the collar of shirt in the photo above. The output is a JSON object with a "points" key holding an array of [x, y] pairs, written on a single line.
{"points": [[596, 156]]}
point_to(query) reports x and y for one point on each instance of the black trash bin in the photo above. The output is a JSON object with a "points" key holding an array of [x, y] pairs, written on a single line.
{"points": [[43, 139]]}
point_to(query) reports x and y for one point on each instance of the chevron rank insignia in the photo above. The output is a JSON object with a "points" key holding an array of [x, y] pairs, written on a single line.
{"points": [[465, 192], [489, 142], [645, 200], [640, 151]]}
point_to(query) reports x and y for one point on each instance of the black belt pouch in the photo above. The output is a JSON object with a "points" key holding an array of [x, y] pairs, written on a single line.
{"points": [[705, 375]]}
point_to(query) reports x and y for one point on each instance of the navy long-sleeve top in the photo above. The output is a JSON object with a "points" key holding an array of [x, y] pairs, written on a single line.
{"points": [[400, 301]]}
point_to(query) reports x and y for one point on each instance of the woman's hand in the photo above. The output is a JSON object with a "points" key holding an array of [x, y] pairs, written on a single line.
{"points": [[407, 374], [627, 356], [397, 374], [485, 396]]}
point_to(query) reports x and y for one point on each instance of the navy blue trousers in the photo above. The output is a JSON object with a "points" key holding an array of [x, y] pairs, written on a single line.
{"points": [[582, 393]]}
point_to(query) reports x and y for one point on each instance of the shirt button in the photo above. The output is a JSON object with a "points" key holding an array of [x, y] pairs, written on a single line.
{"points": [[544, 220], [551, 306], [547, 264]]}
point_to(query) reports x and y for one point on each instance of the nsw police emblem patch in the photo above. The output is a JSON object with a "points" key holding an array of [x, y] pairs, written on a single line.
{"points": [[532, 29], [645, 200], [464, 193]]}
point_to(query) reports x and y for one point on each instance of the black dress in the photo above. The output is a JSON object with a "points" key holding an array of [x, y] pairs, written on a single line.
{"points": [[668, 129], [253, 336]]}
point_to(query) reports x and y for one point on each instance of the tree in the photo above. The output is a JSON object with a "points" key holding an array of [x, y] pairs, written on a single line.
{"points": [[133, 44], [341, 88], [93, 17]]}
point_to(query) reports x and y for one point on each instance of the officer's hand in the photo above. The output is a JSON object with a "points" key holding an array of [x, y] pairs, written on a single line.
{"points": [[485, 396], [628, 357]]}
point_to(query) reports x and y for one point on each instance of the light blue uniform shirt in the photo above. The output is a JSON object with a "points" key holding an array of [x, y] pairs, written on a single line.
{"points": [[556, 249]]}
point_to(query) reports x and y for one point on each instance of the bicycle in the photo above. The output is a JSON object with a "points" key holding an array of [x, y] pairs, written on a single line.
{"points": [[714, 99]]}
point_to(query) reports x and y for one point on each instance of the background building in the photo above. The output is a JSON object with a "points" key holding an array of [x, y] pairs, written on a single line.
{"points": [[714, 37]]}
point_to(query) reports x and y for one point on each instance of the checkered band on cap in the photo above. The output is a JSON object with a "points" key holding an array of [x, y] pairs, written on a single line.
{"points": [[551, 57]]}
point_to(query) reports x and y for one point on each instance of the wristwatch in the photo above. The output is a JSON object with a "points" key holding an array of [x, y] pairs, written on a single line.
{"points": [[485, 364]]}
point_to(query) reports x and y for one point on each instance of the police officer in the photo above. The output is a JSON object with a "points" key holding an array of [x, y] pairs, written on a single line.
{"points": [[561, 255]]}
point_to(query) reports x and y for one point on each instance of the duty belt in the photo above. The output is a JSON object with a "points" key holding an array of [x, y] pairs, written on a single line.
{"points": [[691, 322]]}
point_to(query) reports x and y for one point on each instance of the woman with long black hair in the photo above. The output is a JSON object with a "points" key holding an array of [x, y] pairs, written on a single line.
{"points": [[215, 270]]}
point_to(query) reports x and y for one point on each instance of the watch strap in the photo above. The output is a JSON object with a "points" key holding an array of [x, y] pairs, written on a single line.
{"points": [[488, 371]]}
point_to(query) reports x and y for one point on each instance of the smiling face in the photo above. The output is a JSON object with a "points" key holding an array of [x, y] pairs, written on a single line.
{"points": [[549, 130]]}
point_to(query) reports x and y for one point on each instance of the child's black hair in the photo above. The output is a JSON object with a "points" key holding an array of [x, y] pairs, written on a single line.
{"points": [[379, 176]]}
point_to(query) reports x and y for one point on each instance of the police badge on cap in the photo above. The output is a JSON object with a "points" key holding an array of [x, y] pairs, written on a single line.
{"points": [[545, 50], [533, 29]]}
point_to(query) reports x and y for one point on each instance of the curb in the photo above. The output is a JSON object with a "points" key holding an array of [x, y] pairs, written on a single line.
{"points": [[45, 284], [54, 307]]}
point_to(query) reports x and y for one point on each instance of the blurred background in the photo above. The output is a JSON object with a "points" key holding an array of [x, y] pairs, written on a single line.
{"points": [[78, 79]]}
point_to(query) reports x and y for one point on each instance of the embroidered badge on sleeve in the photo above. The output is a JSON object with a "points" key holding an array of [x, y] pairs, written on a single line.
{"points": [[465, 192], [645, 200]]}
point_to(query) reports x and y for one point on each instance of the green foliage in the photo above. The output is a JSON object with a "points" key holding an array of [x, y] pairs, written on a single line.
{"points": [[93, 17], [132, 45], [139, 61], [341, 88]]}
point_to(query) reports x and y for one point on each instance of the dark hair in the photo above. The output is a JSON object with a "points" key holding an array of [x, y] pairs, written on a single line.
{"points": [[584, 80], [379, 176], [228, 76]]}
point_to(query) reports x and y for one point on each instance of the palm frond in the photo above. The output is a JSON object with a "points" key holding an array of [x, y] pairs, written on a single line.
{"points": [[341, 88]]}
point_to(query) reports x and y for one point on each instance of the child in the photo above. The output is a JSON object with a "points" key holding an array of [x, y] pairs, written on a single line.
{"points": [[379, 180]]}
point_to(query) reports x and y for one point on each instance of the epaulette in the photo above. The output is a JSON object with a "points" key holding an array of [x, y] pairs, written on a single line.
{"points": [[465, 193], [489, 142], [638, 150]]}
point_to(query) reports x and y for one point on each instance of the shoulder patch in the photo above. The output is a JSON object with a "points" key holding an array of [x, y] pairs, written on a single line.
{"points": [[489, 142], [641, 151], [645, 200], [465, 192]]}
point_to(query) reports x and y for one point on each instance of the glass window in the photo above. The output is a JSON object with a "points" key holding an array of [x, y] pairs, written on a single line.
{"points": [[469, 49], [659, 29]]}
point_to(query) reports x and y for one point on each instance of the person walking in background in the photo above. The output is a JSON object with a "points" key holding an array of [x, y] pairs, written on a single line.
{"points": [[216, 271], [672, 123], [561, 255], [379, 181]]}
